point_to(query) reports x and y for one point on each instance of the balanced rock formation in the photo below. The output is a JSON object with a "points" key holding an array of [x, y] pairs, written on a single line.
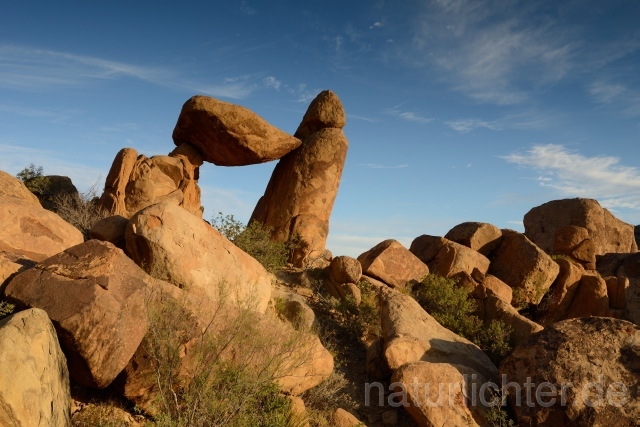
{"points": [[94, 295], [33, 371], [584, 372], [13, 187], [522, 265], [230, 135], [173, 245], [393, 264], [33, 231], [479, 236], [607, 232], [303, 186], [135, 181]]}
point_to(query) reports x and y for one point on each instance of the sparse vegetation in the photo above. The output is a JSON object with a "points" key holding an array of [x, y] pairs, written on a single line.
{"points": [[33, 178], [452, 308], [6, 309]]}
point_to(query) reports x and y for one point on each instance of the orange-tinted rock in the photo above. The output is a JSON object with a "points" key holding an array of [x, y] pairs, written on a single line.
{"points": [[426, 247], [575, 242], [110, 229], [521, 327], [591, 298], [608, 233], [492, 286], [30, 230], [342, 418], [522, 265], [13, 187], [617, 288], [453, 258], [564, 290], [393, 264], [633, 300], [230, 135], [135, 182], [344, 269], [325, 111], [94, 295], [479, 236]]}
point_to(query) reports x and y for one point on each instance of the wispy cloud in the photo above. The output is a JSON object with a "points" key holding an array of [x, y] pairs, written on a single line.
{"points": [[375, 25], [51, 114], [363, 118], [377, 166], [569, 173], [246, 9], [272, 82], [410, 116], [467, 125], [616, 95]]}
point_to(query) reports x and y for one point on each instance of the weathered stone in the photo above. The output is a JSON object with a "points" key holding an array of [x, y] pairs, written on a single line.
{"points": [[426, 247], [441, 394], [591, 298], [522, 328], [393, 264], [631, 265], [34, 380], [294, 309], [479, 236], [522, 265], [12, 187], [633, 300], [93, 294], [325, 111], [491, 285], [344, 269], [564, 289], [377, 367], [576, 357], [410, 334], [608, 233], [58, 187], [35, 232], [453, 258], [135, 182], [342, 418], [230, 135], [10, 265], [173, 245], [617, 291], [110, 229]]}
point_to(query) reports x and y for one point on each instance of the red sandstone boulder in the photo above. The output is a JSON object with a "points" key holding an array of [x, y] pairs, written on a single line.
{"points": [[479, 236], [393, 264]]}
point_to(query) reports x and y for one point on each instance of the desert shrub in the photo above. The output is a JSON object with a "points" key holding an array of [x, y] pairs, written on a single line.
{"points": [[363, 320], [6, 309], [33, 179], [254, 239], [228, 379], [80, 210], [451, 306]]}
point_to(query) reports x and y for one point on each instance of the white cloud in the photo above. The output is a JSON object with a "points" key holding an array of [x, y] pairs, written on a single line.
{"points": [[569, 173], [375, 25], [467, 125], [377, 166], [363, 118], [272, 82], [246, 9], [410, 116]]}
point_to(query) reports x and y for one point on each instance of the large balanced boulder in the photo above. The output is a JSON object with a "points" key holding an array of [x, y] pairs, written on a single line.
{"points": [[607, 232], [13, 187], [94, 295], [230, 135], [454, 258], [410, 334], [298, 200], [479, 236], [34, 380], [522, 265], [173, 245], [136, 181], [393, 264], [584, 372], [28, 229]]}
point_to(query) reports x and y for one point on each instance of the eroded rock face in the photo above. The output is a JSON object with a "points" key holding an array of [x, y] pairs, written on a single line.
{"points": [[479, 236], [410, 334], [94, 295], [607, 232], [393, 264], [135, 181], [564, 290], [230, 135], [173, 245], [574, 242], [13, 187], [522, 265], [522, 328], [28, 229], [426, 247], [579, 354], [342, 418], [110, 229], [299, 197], [33, 371], [454, 258]]}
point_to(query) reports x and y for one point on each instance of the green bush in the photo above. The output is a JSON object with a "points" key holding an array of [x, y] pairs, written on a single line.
{"points": [[254, 239], [33, 179], [6, 309], [451, 307]]}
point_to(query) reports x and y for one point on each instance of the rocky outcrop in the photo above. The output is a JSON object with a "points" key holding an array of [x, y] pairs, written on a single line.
{"points": [[173, 245], [341, 278], [110, 229], [522, 265], [13, 187], [35, 232], [479, 236], [585, 372], [298, 200], [294, 309], [393, 264], [230, 135], [521, 327], [426, 247], [57, 186], [35, 388], [555, 307], [492, 286], [94, 295], [575, 243], [591, 298], [410, 334], [607, 232], [454, 258], [442, 394], [135, 181]]}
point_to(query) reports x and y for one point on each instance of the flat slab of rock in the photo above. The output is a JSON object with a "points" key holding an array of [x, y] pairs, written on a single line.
{"points": [[94, 295], [230, 135], [609, 234], [173, 245], [584, 356], [479, 236], [29, 229], [393, 264], [34, 380], [522, 265]]}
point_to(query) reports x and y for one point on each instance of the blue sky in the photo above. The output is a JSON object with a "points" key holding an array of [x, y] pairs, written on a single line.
{"points": [[456, 110]]}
